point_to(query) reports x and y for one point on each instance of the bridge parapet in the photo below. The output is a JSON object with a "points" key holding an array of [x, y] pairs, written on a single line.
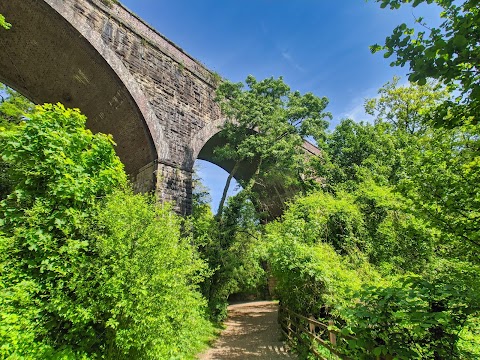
{"points": [[168, 47]]}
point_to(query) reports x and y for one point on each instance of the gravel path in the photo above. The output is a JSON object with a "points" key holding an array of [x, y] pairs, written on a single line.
{"points": [[252, 332]]}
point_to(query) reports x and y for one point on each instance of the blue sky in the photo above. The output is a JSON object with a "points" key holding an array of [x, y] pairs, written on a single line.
{"points": [[318, 46]]}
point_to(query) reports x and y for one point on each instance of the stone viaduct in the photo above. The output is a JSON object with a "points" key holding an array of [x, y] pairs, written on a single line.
{"points": [[130, 81]]}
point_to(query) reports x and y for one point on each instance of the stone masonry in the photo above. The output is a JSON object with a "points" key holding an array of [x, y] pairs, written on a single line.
{"points": [[170, 92], [130, 81], [180, 91]]}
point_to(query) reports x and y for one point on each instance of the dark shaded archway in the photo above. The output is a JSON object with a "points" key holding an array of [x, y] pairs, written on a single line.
{"points": [[245, 170], [49, 58]]}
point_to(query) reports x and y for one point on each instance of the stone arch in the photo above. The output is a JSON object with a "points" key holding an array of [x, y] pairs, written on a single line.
{"points": [[274, 196], [204, 143], [203, 136], [49, 55]]}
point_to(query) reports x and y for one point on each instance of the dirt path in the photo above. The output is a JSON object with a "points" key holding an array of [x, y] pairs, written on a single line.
{"points": [[252, 332]]}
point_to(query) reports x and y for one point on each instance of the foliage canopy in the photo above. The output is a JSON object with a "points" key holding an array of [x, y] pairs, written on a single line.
{"points": [[449, 53], [267, 125]]}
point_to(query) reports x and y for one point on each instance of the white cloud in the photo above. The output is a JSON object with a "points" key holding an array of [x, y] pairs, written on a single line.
{"points": [[290, 60], [357, 113]]}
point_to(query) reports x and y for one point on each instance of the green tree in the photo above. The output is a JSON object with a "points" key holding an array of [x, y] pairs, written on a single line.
{"points": [[267, 123], [355, 150], [438, 167], [443, 174], [403, 196], [200, 193], [449, 53], [406, 108]]}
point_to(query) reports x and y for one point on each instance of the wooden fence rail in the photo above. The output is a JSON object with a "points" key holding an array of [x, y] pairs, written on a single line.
{"points": [[294, 325]]}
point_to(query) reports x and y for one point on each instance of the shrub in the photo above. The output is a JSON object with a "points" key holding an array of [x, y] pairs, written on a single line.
{"points": [[59, 171], [313, 278], [148, 282], [415, 317], [89, 270]]}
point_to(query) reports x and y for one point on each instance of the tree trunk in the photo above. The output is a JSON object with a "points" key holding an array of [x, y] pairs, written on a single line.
{"points": [[225, 191]]}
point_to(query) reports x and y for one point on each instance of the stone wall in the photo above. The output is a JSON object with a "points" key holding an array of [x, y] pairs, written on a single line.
{"points": [[180, 90]]}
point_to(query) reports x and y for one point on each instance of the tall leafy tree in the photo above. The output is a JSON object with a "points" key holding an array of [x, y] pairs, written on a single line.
{"points": [[354, 149], [439, 167], [443, 173], [436, 169], [449, 53], [407, 108], [267, 123], [358, 150]]}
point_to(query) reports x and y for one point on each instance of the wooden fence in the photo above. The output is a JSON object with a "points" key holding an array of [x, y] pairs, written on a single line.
{"points": [[311, 332]]}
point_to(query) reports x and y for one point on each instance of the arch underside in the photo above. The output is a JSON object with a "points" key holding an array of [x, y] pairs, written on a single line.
{"points": [[245, 170], [48, 60], [271, 197]]}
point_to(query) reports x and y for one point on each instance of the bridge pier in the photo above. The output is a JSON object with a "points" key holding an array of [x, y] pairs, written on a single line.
{"points": [[145, 180], [169, 183], [174, 185]]}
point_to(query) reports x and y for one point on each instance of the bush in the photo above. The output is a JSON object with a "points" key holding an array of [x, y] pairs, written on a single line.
{"points": [[313, 278], [322, 217], [59, 171], [414, 317], [398, 240], [316, 256], [89, 270], [148, 282]]}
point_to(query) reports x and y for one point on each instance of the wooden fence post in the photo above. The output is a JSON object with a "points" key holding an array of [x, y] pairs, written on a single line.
{"points": [[332, 336], [311, 328], [289, 326]]}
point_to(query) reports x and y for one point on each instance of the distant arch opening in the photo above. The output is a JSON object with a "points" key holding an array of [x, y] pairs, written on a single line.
{"points": [[271, 197], [213, 178]]}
